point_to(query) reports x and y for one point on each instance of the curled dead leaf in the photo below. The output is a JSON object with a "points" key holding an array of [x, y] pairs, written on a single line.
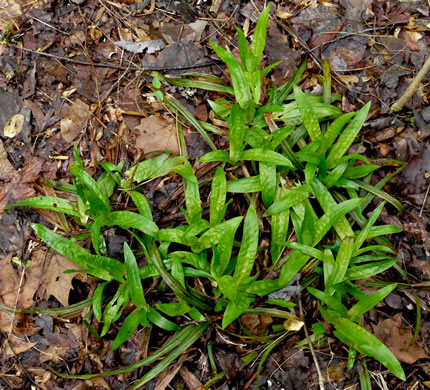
{"points": [[293, 324], [13, 126], [75, 120]]}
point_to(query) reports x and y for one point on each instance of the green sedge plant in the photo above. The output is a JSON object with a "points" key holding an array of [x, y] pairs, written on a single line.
{"points": [[303, 184]]}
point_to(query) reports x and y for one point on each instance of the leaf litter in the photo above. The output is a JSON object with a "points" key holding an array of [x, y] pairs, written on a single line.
{"points": [[375, 46]]}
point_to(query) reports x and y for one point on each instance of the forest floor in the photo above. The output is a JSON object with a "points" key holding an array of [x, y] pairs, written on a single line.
{"points": [[51, 76]]}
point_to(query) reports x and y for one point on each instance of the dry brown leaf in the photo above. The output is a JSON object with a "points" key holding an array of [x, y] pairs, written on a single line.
{"points": [[57, 283], [19, 345], [397, 338], [167, 376], [255, 323], [156, 133], [37, 112], [336, 373], [283, 14], [52, 354], [8, 286], [20, 187], [18, 290], [412, 38], [190, 379], [10, 11], [6, 168], [349, 79], [75, 120], [89, 384]]}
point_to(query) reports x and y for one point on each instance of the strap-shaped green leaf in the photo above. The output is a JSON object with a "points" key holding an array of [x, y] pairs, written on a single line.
{"points": [[97, 301], [235, 308], [310, 120], [368, 270], [267, 156], [142, 204], [325, 199], [99, 203], [156, 318], [268, 182], [364, 233], [364, 342], [216, 155], [246, 56], [259, 37], [306, 249], [248, 248], [348, 136], [333, 215], [285, 89], [244, 185], [331, 302], [328, 268], [240, 84], [102, 267], [181, 293], [280, 224], [216, 233], [192, 194], [133, 279], [115, 307], [383, 230], [342, 260], [174, 309], [154, 167], [124, 219], [128, 327], [236, 132], [293, 197], [218, 197], [49, 203], [291, 115], [176, 106], [162, 366], [334, 130], [372, 300], [186, 335], [382, 194], [333, 177], [360, 171], [195, 81]]}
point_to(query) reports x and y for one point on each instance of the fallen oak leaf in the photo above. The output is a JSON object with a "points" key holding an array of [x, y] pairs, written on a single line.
{"points": [[157, 134], [56, 282], [397, 338]]}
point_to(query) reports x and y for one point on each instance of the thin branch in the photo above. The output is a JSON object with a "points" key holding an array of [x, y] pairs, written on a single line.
{"points": [[114, 66], [314, 356], [399, 104]]}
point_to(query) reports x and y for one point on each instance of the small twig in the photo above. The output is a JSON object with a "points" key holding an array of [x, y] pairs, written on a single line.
{"points": [[314, 356], [399, 104], [47, 24], [425, 199], [114, 66], [18, 361]]}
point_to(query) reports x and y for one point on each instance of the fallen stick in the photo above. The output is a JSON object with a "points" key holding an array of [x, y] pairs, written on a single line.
{"points": [[398, 105]]}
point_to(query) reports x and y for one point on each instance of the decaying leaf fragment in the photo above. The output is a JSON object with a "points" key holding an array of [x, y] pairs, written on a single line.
{"points": [[13, 126]]}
